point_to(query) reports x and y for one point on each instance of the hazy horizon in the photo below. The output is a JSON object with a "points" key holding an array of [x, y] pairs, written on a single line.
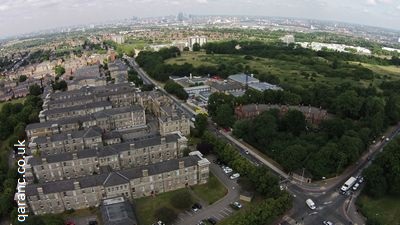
{"points": [[26, 16]]}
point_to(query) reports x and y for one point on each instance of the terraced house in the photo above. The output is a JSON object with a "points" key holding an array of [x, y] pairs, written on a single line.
{"points": [[79, 193], [112, 157], [109, 119]]}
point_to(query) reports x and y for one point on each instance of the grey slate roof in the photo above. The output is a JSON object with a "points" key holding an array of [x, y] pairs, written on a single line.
{"points": [[113, 178], [78, 107], [88, 133]]}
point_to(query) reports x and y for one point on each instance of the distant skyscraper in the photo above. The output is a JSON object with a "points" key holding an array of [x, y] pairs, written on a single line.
{"points": [[180, 16], [118, 38], [201, 40]]}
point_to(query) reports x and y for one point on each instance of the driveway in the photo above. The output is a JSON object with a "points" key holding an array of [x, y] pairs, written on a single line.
{"points": [[219, 209]]}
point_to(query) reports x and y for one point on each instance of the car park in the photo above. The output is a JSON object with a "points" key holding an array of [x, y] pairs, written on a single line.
{"points": [[326, 222], [234, 176]]}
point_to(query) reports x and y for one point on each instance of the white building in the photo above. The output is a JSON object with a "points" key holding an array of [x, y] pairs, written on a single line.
{"points": [[197, 89], [201, 40], [120, 39]]}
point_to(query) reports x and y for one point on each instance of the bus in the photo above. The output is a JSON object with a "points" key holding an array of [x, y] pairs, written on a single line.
{"points": [[348, 184]]}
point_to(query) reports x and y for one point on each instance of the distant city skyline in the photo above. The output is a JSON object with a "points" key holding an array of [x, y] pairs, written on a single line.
{"points": [[25, 16]]}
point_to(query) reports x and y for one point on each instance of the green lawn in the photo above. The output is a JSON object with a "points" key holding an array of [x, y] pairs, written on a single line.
{"points": [[386, 210], [287, 71], [18, 100], [212, 191], [145, 207]]}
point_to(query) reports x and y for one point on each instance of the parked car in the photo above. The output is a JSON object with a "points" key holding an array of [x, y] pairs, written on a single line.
{"points": [[212, 220], [236, 205], [326, 222], [360, 179], [198, 205], [201, 223], [247, 152], [355, 187], [93, 222], [227, 170], [234, 176]]}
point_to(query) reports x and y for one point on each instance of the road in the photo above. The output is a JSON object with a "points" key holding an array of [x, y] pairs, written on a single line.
{"points": [[331, 205]]}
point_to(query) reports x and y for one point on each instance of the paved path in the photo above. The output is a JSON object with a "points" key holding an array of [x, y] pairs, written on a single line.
{"points": [[219, 209]]}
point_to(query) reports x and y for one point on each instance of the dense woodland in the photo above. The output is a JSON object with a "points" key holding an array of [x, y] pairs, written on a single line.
{"points": [[14, 118]]}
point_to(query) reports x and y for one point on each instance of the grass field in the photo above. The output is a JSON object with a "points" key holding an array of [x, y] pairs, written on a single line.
{"points": [[18, 100], [386, 210], [287, 71], [212, 191]]}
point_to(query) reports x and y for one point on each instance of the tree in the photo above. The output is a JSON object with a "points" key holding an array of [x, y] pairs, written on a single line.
{"points": [[131, 53], [22, 78], [166, 215], [200, 123], [205, 148], [224, 116], [35, 90], [349, 104], [147, 87], [295, 122], [59, 70], [196, 47], [176, 89], [392, 109], [376, 184], [181, 200]]}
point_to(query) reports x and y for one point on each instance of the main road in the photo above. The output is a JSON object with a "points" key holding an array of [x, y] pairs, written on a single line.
{"points": [[331, 205]]}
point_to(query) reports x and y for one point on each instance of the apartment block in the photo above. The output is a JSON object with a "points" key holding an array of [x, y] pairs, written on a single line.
{"points": [[79, 193], [85, 162]]}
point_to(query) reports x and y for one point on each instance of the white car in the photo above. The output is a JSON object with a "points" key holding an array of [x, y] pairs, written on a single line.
{"points": [[237, 205], [355, 187], [325, 222], [234, 176], [227, 170]]}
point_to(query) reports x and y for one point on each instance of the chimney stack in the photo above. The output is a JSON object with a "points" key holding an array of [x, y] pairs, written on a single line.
{"points": [[145, 173], [77, 186], [181, 164]]}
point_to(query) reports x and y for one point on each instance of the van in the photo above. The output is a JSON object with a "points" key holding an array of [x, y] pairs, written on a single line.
{"points": [[310, 204]]}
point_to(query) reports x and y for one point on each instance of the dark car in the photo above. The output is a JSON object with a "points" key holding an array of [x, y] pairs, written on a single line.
{"points": [[93, 222], [197, 205], [212, 221]]}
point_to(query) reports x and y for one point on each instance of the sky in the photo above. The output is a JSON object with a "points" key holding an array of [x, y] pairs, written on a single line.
{"points": [[25, 16]]}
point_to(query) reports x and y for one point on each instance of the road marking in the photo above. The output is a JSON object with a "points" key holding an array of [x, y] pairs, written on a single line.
{"points": [[326, 203], [313, 213], [290, 220], [223, 212], [228, 209], [219, 216]]}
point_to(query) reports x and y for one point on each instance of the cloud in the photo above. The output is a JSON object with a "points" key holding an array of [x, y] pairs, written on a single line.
{"points": [[398, 7], [202, 1], [3, 7], [376, 2]]}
